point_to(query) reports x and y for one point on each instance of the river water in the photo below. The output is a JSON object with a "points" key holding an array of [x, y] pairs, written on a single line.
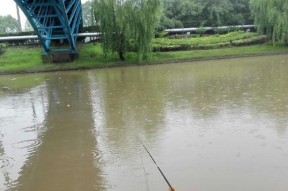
{"points": [[211, 126]]}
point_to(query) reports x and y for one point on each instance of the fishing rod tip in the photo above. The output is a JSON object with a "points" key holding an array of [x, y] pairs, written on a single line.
{"points": [[171, 189]]}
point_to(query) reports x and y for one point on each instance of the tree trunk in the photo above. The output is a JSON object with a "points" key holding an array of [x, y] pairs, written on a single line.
{"points": [[286, 41], [19, 19], [121, 55], [121, 47]]}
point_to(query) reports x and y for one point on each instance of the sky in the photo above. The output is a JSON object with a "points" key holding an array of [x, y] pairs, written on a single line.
{"points": [[8, 7]]}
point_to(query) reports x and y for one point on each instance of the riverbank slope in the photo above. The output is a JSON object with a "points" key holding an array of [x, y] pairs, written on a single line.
{"points": [[28, 60]]}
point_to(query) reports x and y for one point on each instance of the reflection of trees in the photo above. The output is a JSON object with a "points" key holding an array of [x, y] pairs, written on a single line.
{"points": [[3, 160], [126, 102], [133, 103], [19, 83], [64, 160], [22, 115]]}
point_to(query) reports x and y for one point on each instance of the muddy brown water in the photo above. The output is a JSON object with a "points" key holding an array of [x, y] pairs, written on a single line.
{"points": [[211, 126]]}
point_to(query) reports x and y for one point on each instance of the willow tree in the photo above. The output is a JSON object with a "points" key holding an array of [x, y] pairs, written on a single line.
{"points": [[127, 23], [271, 18], [216, 12]]}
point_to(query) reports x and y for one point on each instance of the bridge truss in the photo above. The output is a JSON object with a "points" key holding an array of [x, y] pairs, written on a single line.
{"points": [[54, 21]]}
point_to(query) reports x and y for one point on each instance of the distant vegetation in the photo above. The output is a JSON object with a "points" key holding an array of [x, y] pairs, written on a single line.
{"points": [[192, 13], [8, 24], [199, 13], [238, 38]]}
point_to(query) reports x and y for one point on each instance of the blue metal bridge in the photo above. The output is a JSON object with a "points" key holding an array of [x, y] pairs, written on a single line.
{"points": [[54, 21]]}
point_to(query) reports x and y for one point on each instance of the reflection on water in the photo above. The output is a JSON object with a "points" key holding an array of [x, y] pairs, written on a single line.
{"points": [[216, 125], [21, 131]]}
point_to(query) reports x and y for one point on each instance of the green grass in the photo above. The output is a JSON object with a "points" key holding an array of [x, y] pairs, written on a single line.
{"points": [[237, 38], [212, 39], [216, 53], [23, 59], [20, 58]]}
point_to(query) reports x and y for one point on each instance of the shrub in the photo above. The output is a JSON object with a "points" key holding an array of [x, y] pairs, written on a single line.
{"points": [[250, 41], [219, 30], [201, 31], [1, 51], [238, 38]]}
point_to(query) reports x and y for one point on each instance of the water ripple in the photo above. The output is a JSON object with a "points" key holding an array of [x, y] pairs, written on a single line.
{"points": [[28, 144], [6, 162]]}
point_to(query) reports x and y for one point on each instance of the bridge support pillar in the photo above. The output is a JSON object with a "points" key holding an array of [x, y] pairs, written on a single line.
{"points": [[59, 57]]}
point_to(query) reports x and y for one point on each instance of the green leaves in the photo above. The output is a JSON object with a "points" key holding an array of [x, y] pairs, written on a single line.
{"points": [[126, 21], [238, 38], [196, 13], [271, 18], [8, 24], [88, 14]]}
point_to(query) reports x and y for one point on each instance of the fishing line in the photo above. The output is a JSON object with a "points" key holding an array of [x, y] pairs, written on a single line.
{"points": [[171, 188], [145, 173]]}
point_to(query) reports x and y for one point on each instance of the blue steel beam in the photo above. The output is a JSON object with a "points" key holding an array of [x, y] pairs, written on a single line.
{"points": [[54, 20]]}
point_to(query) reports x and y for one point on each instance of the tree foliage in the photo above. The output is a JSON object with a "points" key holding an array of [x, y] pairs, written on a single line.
{"points": [[181, 13], [8, 24], [127, 23], [144, 18], [195, 13], [241, 12], [113, 26], [271, 17], [88, 15], [216, 12]]}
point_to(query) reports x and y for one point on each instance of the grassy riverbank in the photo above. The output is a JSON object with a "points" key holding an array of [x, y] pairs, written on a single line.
{"points": [[23, 59]]}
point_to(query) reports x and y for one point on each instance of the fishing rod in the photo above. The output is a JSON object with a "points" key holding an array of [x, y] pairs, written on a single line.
{"points": [[171, 188]]}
